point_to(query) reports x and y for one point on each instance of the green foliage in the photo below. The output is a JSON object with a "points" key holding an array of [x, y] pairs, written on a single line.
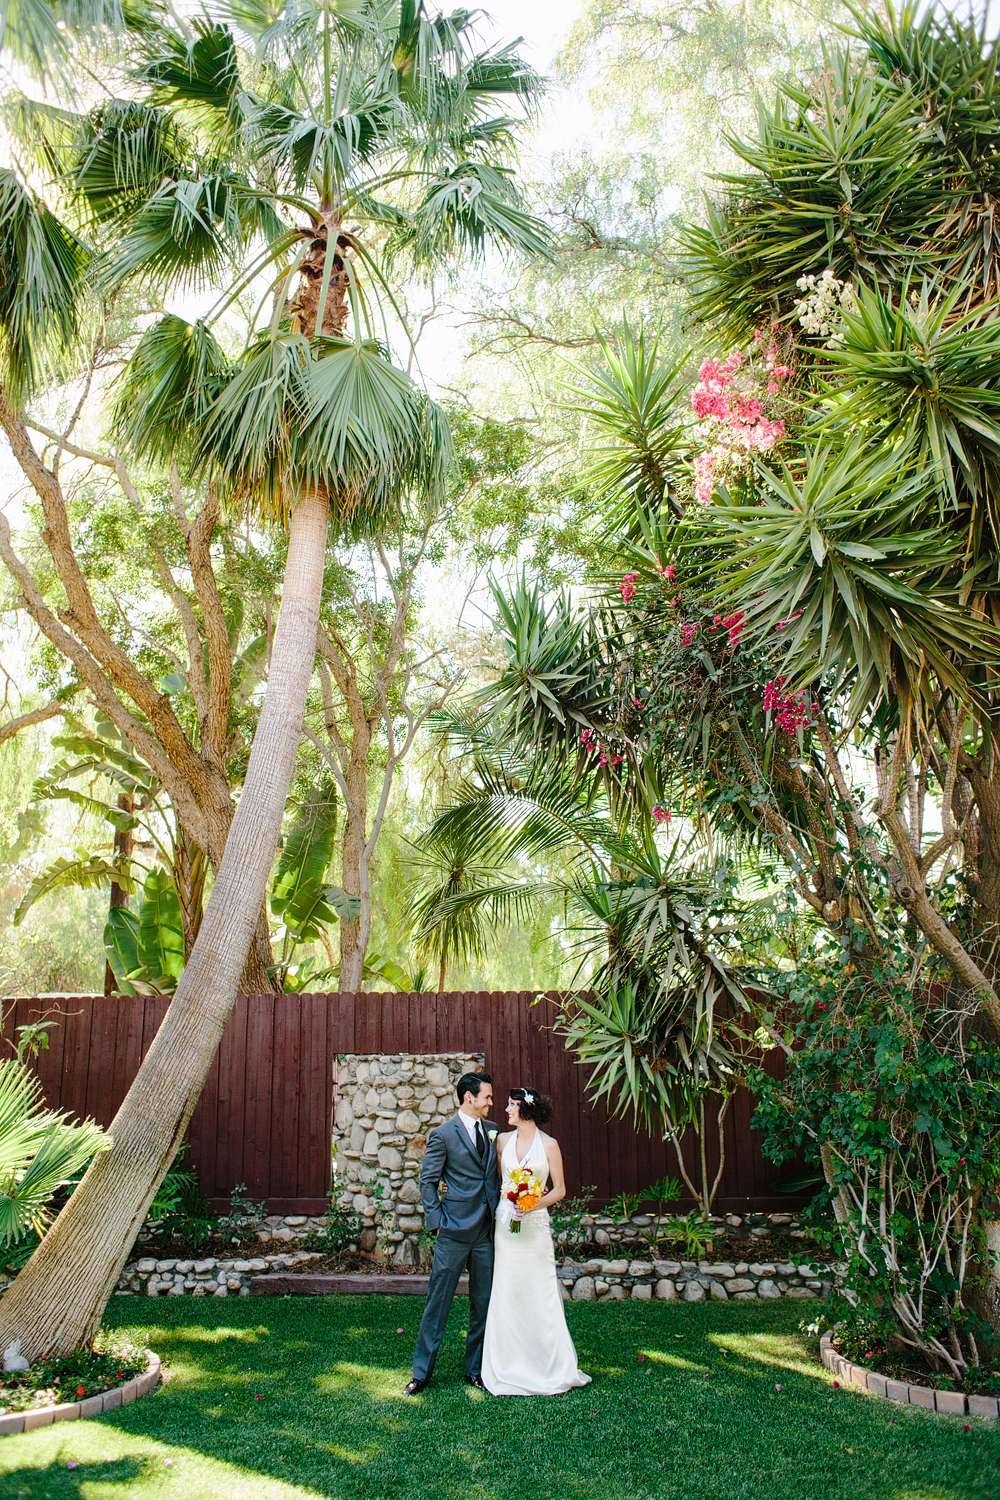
{"points": [[696, 1235], [241, 1221], [179, 1212], [901, 1094], [550, 685], [39, 1150], [659, 1195], [340, 1229], [85, 872], [146, 949], [42, 270], [641, 441], [161, 930], [112, 1360], [121, 947], [881, 166], [567, 1216]]}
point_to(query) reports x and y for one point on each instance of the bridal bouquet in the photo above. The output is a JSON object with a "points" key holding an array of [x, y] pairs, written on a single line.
{"points": [[527, 1190]]}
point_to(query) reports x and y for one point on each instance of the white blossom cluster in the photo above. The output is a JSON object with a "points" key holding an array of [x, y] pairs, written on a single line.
{"points": [[819, 309]]}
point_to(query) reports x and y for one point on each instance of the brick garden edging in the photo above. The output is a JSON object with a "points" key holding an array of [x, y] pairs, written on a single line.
{"points": [[953, 1403], [91, 1406]]}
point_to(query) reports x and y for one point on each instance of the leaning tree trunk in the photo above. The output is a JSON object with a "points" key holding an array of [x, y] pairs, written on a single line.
{"points": [[57, 1301]]}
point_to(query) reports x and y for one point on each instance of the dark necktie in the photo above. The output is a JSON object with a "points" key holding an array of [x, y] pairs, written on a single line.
{"points": [[480, 1140]]}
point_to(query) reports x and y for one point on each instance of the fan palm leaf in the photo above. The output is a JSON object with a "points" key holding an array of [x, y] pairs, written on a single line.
{"points": [[42, 270], [39, 1150]]}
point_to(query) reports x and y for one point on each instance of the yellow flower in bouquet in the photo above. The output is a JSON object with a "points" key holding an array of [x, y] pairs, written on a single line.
{"points": [[527, 1190]]}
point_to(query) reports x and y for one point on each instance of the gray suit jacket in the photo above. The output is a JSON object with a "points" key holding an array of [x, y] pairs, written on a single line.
{"points": [[473, 1186]]}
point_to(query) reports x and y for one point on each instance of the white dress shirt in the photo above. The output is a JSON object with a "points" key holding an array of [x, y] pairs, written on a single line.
{"points": [[470, 1122]]}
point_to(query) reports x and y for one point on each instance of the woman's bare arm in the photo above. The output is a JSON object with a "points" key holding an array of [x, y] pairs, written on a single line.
{"points": [[558, 1189]]}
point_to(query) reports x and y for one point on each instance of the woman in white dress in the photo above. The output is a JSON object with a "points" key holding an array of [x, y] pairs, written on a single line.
{"points": [[528, 1350]]}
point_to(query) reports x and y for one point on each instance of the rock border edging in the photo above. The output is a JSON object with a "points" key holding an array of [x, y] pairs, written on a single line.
{"points": [[951, 1403], [90, 1406]]}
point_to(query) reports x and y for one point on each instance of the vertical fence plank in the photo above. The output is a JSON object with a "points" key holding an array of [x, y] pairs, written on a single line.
{"points": [[100, 1095], [423, 1023], [260, 1053], [76, 1055], [367, 1024], [232, 1076], [48, 1066], [128, 1051], [204, 1132], [315, 1083]]}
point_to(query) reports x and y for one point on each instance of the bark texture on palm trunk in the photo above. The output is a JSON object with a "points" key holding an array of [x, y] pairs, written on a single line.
{"points": [[57, 1301]]}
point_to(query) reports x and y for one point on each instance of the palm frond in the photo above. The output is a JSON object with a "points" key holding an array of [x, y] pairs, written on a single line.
{"points": [[42, 269]]}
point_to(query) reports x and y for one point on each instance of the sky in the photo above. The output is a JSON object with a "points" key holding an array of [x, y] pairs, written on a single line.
{"points": [[542, 23]]}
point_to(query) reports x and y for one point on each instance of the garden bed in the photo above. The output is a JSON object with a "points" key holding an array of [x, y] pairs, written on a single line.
{"points": [[83, 1384], [869, 1364]]}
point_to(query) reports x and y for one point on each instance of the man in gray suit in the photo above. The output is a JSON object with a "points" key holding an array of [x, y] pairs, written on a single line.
{"points": [[463, 1153]]}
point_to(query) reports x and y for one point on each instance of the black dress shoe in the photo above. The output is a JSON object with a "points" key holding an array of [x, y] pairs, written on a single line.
{"points": [[476, 1380], [415, 1387]]}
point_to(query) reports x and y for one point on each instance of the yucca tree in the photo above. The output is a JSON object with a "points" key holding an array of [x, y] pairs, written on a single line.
{"points": [[888, 161], [841, 590], [346, 145], [872, 541]]}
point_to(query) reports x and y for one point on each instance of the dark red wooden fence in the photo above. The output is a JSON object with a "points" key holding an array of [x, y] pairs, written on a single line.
{"points": [[265, 1115]]}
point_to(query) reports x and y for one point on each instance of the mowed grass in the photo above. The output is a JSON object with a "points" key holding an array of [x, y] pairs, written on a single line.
{"points": [[273, 1400]]}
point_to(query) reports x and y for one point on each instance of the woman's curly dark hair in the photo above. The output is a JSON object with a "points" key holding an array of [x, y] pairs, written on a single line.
{"points": [[533, 1105]]}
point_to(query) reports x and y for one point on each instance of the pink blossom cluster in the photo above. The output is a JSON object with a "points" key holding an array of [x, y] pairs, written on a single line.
{"points": [[775, 373], [688, 633], [734, 418], [627, 587], [661, 814], [788, 620], [733, 623], [669, 572], [593, 745], [790, 710]]}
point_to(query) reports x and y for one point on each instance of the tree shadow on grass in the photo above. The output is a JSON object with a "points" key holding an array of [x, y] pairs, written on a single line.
{"points": [[684, 1405], [60, 1481]]}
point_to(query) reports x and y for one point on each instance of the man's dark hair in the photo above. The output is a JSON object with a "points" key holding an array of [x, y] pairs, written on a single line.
{"points": [[471, 1083]]}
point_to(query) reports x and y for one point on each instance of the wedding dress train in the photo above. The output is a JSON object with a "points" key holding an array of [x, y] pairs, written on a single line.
{"points": [[528, 1350]]}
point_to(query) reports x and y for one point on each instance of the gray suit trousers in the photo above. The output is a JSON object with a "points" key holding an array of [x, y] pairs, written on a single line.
{"points": [[450, 1258]]}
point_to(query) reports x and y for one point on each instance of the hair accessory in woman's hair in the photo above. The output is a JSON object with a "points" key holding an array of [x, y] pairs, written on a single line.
{"points": [[529, 1098]]}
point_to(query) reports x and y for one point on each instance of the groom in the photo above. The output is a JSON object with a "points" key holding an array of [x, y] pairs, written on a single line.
{"points": [[463, 1152]]}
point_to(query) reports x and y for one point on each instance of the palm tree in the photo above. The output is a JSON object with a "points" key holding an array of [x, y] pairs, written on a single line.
{"points": [[342, 116]]}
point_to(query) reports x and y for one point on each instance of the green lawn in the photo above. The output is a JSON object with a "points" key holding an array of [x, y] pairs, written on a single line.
{"points": [[270, 1400]]}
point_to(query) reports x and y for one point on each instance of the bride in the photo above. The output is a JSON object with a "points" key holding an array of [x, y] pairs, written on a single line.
{"points": [[528, 1350]]}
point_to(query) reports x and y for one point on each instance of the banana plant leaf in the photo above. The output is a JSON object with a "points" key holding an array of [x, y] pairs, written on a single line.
{"points": [[161, 928]]}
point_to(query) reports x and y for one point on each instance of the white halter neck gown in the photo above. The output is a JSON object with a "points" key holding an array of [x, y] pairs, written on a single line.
{"points": [[528, 1350]]}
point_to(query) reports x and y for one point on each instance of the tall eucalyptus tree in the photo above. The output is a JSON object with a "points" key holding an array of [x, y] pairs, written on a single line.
{"points": [[320, 150]]}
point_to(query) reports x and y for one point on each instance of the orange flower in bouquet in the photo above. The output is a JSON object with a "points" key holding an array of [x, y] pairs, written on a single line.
{"points": [[527, 1190]]}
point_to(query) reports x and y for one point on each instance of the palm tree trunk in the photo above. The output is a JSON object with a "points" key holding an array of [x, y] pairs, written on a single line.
{"points": [[57, 1301]]}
